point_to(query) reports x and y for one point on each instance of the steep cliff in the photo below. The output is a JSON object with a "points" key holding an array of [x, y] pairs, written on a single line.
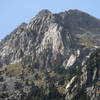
{"points": [[53, 57]]}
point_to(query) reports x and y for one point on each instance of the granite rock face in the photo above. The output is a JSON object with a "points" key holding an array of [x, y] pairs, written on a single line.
{"points": [[53, 57]]}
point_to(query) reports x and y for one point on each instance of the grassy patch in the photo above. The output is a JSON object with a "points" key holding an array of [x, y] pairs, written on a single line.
{"points": [[13, 70], [88, 43]]}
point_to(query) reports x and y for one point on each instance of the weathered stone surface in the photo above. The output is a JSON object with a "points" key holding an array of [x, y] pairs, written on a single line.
{"points": [[53, 57]]}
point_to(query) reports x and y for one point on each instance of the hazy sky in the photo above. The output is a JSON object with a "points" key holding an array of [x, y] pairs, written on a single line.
{"points": [[14, 12]]}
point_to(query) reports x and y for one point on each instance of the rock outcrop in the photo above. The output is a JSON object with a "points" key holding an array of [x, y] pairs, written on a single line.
{"points": [[53, 57]]}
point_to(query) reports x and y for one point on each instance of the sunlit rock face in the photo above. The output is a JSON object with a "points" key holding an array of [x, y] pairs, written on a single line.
{"points": [[53, 57]]}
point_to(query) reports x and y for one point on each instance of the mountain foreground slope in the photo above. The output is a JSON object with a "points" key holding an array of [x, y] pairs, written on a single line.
{"points": [[53, 57]]}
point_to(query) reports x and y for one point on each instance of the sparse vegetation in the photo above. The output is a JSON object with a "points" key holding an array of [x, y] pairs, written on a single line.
{"points": [[87, 43], [13, 70], [61, 88]]}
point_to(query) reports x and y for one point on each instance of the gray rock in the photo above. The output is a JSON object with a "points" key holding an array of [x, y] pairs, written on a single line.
{"points": [[62, 50]]}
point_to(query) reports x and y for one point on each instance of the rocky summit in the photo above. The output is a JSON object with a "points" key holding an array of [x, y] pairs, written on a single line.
{"points": [[53, 57]]}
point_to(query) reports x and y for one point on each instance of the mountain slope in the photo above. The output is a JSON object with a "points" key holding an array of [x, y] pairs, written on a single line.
{"points": [[47, 56]]}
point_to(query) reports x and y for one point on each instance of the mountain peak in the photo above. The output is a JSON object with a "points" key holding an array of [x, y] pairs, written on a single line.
{"points": [[53, 57], [44, 12]]}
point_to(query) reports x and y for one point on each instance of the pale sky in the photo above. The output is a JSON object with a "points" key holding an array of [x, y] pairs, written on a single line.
{"points": [[15, 12]]}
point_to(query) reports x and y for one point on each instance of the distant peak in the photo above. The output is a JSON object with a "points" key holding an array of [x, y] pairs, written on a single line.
{"points": [[74, 10], [77, 11], [44, 12]]}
